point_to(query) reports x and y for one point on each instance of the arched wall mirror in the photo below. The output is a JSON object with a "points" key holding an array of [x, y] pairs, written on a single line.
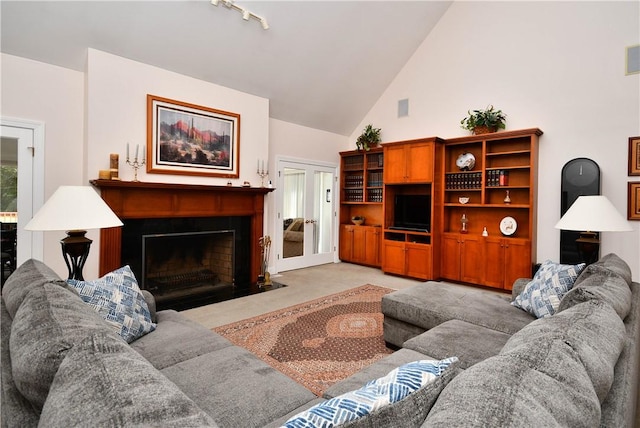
{"points": [[580, 177]]}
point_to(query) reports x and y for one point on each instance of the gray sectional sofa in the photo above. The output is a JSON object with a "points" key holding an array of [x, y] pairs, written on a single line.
{"points": [[578, 367], [62, 365]]}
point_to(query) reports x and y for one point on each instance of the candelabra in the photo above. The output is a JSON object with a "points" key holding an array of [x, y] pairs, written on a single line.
{"points": [[262, 173], [135, 164]]}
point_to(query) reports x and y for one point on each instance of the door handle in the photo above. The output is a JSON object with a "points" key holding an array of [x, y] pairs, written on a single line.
{"points": [[310, 221]]}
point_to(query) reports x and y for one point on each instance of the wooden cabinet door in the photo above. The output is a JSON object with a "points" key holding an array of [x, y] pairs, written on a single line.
{"points": [[359, 244], [372, 246], [450, 260], [472, 260], [418, 261], [393, 257], [346, 243], [493, 262], [394, 164], [505, 261], [419, 163], [517, 261]]}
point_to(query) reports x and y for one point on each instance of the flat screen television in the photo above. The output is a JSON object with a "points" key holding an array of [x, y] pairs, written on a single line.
{"points": [[412, 212]]}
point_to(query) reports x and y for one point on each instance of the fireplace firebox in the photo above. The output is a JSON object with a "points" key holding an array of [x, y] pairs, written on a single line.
{"points": [[187, 262]]}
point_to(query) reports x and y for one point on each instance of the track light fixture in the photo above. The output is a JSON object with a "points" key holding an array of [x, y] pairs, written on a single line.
{"points": [[246, 14]]}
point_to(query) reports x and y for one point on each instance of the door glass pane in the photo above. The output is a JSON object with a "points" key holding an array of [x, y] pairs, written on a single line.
{"points": [[322, 182], [8, 204], [293, 212]]}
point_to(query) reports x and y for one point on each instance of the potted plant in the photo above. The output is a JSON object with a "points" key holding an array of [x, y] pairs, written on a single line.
{"points": [[370, 137], [484, 121]]}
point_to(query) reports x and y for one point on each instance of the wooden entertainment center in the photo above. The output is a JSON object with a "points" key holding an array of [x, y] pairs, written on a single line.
{"points": [[462, 209]]}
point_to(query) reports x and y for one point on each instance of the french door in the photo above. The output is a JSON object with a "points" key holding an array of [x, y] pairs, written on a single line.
{"points": [[306, 214], [23, 141]]}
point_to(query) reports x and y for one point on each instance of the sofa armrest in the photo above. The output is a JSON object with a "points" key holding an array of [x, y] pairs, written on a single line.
{"points": [[151, 303], [518, 287]]}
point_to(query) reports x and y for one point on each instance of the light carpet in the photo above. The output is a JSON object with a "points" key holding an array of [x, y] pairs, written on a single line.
{"points": [[320, 342]]}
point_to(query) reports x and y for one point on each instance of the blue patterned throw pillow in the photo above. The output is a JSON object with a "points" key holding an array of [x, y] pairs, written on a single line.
{"points": [[393, 387], [117, 297], [541, 296]]}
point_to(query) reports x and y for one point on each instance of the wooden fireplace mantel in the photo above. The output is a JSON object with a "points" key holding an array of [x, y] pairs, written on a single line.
{"points": [[140, 200]]}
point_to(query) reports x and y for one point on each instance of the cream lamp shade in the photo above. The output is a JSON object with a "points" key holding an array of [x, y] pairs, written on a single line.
{"points": [[593, 213], [588, 215], [74, 209]]}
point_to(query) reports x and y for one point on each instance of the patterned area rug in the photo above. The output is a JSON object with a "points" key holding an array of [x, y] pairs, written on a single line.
{"points": [[320, 342]]}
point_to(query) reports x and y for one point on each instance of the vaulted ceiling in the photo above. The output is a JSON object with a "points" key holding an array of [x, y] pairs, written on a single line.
{"points": [[322, 64]]}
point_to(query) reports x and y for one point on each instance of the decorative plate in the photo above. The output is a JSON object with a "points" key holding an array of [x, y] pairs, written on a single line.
{"points": [[466, 161], [508, 226]]}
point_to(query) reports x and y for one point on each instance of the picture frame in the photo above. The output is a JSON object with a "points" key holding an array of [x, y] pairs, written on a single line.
{"points": [[633, 200], [634, 156], [189, 139]]}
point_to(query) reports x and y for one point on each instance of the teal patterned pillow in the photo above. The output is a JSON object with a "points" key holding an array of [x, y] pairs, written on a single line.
{"points": [[541, 296], [393, 387], [117, 297]]}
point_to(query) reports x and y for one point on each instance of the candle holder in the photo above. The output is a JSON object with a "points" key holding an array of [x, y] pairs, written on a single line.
{"points": [[262, 174], [464, 220], [135, 165]]}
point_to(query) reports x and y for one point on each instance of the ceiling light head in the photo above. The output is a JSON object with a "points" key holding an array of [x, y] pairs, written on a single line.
{"points": [[215, 2], [245, 15], [263, 21], [228, 3]]}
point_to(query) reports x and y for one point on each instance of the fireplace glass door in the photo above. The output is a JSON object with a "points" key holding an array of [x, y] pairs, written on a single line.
{"points": [[306, 215]]}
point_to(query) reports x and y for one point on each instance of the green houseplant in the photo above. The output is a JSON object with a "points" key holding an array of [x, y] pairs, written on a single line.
{"points": [[484, 121], [370, 137]]}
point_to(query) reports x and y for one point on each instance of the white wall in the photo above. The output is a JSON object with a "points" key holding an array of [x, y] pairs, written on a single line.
{"points": [[40, 92], [117, 113], [558, 66]]}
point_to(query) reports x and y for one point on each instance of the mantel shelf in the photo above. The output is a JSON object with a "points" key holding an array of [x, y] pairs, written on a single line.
{"points": [[177, 186]]}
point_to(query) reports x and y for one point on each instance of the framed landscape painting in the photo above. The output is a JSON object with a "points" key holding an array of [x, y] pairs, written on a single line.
{"points": [[188, 139]]}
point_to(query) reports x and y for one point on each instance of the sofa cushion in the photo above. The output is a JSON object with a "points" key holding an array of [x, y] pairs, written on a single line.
{"points": [[50, 321], [432, 303], [378, 396], [469, 342], [118, 299], [378, 369], [543, 386], [176, 339], [541, 296], [600, 283], [104, 381], [17, 411], [592, 330], [29, 275], [616, 265], [230, 384]]}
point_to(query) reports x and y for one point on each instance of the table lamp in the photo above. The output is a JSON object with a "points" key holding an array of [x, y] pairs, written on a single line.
{"points": [[74, 209], [589, 215]]}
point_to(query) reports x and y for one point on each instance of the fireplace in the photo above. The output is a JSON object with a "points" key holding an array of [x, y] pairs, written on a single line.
{"points": [[187, 244], [191, 261]]}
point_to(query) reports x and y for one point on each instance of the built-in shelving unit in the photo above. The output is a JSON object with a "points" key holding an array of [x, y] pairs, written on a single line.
{"points": [[501, 184], [413, 171], [361, 194]]}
